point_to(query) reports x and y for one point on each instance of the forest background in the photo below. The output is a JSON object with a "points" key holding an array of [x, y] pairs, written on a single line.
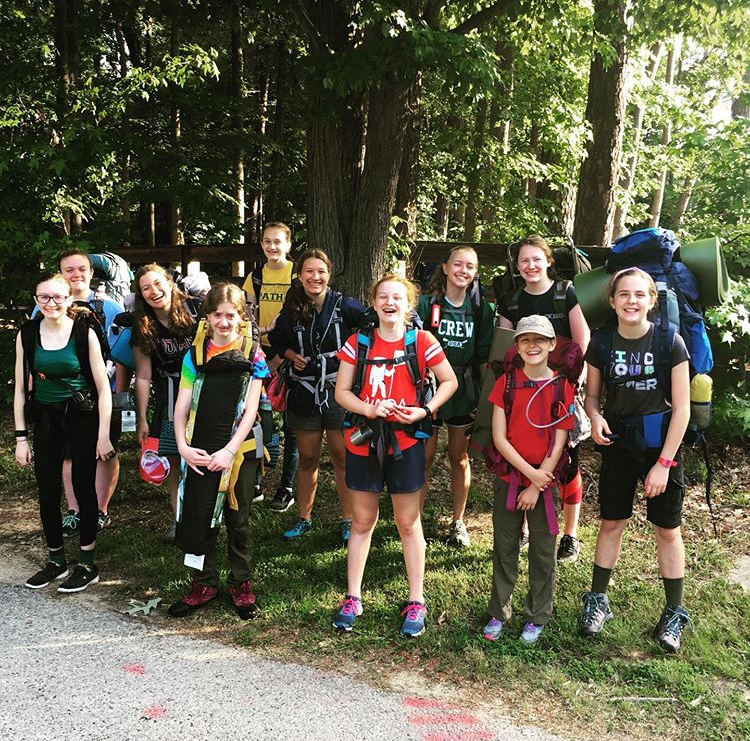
{"points": [[369, 125]]}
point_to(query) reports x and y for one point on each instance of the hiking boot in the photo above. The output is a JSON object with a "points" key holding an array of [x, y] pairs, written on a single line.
{"points": [[104, 521], [523, 542], [596, 613], [568, 550], [70, 524], [530, 633], [346, 530], [350, 610], [282, 501], [257, 494], [170, 533], [458, 536], [243, 599], [198, 596], [51, 572], [493, 629], [670, 626], [298, 529], [83, 575], [414, 613]]}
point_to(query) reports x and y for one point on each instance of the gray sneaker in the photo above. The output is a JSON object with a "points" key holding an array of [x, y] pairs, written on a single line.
{"points": [[670, 626], [596, 613], [458, 535]]}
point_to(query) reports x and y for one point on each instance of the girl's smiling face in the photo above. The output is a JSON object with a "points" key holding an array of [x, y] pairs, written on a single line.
{"points": [[533, 264], [460, 268], [53, 298], [632, 300], [275, 244], [314, 277], [156, 290], [224, 322], [391, 303], [534, 349]]}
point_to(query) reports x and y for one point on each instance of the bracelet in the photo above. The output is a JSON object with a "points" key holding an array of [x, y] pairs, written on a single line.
{"points": [[22, 433], [667, 462], [230, 452], [598, 414]]}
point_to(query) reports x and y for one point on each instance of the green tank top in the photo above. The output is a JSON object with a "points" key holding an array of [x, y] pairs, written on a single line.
{"points": [[57, 364]]}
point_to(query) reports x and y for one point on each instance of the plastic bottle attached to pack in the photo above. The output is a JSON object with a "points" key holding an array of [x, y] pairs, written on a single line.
{"points": [[701, 392]]}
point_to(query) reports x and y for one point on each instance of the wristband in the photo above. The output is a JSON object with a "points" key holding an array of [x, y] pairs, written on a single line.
{"points": [[427, 410], [230, 452], [598, 414], [22, 433], [667, 462]]}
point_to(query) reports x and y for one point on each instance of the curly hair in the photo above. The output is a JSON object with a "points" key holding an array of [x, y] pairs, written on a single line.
{"points": [[409, 287], [144, 319], [439, 279], [297, 302]]}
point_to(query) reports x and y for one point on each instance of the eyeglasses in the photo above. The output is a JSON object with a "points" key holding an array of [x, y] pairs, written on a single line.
{"points": [[43, 298]]}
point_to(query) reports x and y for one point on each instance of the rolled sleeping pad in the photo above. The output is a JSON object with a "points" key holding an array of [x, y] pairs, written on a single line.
{"points": [[704, 259]]}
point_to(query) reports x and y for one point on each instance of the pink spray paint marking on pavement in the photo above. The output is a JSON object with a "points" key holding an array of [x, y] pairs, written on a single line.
{"points": [[423, 702], [154, 712], [469, 736], [438, 717], [137, 669], [439, 720]]}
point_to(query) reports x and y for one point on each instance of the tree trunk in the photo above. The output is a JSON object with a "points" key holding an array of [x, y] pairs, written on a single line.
{"points": [[666, 137], [682, 202], [175, 216], [408, 177], [741, 104], [605, 105], [238, 95], [628, 174], [256, 198], [148, 207], [122, 53], [470, 220], [273, 203], [442, 216]]}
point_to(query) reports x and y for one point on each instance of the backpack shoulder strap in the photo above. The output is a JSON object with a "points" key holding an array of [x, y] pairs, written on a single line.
{"points": [[412, 362], [364, 341], [257, 279], [29, 337], [661, 348], [601, 341], [81, 325], [512, 306], [559, 302]]}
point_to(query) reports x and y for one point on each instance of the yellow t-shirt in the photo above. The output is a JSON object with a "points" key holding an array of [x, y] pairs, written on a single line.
{"points": [[273, 292]]}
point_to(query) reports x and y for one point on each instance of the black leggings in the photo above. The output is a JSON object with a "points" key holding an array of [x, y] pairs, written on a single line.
{"points": [[54, 424]]}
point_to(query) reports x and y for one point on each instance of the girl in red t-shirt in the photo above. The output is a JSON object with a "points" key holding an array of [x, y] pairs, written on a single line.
{"points": [[386, 402]]}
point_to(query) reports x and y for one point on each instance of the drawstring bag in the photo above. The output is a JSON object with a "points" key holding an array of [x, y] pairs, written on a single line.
{"points": [[167, 439], [278, 388]]}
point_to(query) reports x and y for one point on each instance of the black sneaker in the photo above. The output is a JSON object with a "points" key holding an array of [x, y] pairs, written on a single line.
{"points": [[596, 613], [282, 501], [71, 523], [51, 572], [82, 576], [257, 494], [669, 628], [568, 550], [104, 521]]}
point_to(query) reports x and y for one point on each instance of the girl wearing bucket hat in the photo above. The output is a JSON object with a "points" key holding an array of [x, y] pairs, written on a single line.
{"points": [[556, 300]]}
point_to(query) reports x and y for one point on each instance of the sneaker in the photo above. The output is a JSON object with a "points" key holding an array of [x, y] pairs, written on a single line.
{"points": [[170, 533], [523, 542], [51, 572], [458, 537], [104, 521], [243, 599], [71, 522], [83, 575], [198, 596], [257, 494], [415, 613], [282, 500], [493, 629], [350, 610], [670, 626], [596, 613], [568, 550], [346, 530], [530, 633], [298, 529]]}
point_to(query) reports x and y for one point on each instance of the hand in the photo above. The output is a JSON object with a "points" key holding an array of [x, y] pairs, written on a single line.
{"points": [[195, 457], [656, 481], [409, 415], [220, 460], [540, 478], [104, 449], [23, 453], [382, 408], [600, 428], [527, 499], [270, 327], [299, 362], [141, 431]]}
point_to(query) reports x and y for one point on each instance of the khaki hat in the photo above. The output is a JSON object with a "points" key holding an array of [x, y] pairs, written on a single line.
{"points": [[535, 324]]}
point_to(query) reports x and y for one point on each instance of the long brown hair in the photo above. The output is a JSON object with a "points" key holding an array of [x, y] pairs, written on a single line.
{"points": [[439, 279], [144, 318], [226, 293], [297, 302]]}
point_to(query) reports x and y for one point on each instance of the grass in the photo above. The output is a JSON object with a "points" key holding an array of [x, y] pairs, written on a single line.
{"points": [[619, 685]]}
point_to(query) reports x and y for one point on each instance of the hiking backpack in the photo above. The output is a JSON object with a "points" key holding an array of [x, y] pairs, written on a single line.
{"points": [[114, 273]]}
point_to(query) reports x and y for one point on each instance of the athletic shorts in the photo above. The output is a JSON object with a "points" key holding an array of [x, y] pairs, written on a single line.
{"points": [[330, 419], [462, 421], [364, 473], [618, 480]]}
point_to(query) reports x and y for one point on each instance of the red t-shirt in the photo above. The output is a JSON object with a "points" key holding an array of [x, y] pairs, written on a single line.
{"points": [[391, 381], [531, 442]]}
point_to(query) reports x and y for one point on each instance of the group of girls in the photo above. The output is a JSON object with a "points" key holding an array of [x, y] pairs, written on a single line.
{"points": [[380, 442]]}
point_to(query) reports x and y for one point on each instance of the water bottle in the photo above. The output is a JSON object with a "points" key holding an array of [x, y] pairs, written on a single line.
{"points": [[701, 391]]}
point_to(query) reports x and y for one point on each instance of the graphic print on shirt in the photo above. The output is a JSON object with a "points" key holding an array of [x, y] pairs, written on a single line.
{"points": [[456, 328], [377, 379], [635, 366]]}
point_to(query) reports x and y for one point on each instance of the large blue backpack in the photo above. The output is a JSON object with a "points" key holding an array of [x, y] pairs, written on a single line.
{"points": [[656, 251]]}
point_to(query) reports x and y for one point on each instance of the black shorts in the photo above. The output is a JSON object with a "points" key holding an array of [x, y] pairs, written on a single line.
{"points": [[462, 421], [618, 479], [364, 473]]}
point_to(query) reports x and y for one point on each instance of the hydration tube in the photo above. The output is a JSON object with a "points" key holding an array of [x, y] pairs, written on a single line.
{"points": [[569, 413]]}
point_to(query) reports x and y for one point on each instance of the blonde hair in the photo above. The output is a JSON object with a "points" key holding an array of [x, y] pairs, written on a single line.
{"points": [[411, 289], [628, 272], [439, 279]]}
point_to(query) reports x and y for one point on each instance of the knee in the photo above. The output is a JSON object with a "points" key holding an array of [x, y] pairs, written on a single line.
{"points": [[308, 462], [668, 536], [408, 526], [458, 461], [364, 525], [612, 528], [338, 458]]}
